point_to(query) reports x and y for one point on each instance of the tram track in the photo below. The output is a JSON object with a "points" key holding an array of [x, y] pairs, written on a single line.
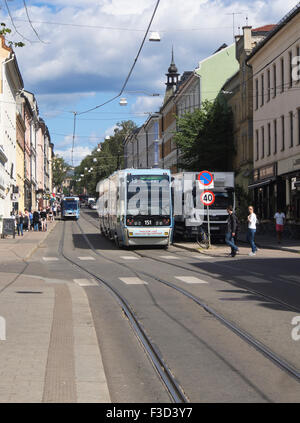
{"points": [[172, 386], [267, 297], [259, 346]]}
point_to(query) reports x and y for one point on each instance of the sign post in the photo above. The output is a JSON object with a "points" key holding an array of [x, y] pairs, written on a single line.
{"points": [[208, 198]]}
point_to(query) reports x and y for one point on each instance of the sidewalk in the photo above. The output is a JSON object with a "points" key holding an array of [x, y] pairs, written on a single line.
{"points": [[49, 351], [22, 247], [268, 242]]}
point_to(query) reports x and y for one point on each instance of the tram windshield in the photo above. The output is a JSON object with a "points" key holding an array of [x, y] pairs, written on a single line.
{"points": [[70, 205], [148, 195]]}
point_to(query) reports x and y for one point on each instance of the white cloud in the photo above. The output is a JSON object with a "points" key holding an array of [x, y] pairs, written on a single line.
{"points": [[110, 131], [82, 59], [78, 154], [147, 104]]}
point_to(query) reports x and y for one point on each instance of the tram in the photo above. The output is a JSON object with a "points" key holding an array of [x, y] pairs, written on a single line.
{"points": [[70, 207], [135, 207]]}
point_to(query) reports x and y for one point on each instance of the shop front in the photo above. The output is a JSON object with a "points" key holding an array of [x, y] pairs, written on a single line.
{"points": [[289, 171], [268, 191]]}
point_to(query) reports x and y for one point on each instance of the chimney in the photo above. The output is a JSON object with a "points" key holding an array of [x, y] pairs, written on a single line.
{"points": [[247, 37]]}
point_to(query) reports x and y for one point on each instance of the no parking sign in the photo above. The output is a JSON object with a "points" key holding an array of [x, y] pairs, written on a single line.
{"points": [[207, 198], [206, 179]]}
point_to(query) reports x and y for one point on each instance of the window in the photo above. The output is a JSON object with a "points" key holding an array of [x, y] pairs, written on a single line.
{"points": [[262, 142], [269, 85], [291, 129], [290, 69], [269, 139], [257, 145], [275, 136], [256, 94], [274, 81], [262, 90], [297, 64], [282, 133], [282, 75]]}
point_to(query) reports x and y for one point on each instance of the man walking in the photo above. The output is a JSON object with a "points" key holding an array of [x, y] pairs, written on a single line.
{"points": [[252, 220], [280, 221], [231, 231], [36, 220]]}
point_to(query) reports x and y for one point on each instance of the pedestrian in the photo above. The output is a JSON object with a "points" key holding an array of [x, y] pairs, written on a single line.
{"points": [[36, 220], [280, 221], [231, 231], [43, 215], [20, 223], [252, 220], [31, 220], [26, 221], [54, 211]]}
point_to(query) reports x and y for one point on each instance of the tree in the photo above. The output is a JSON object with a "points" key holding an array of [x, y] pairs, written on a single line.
{"points": [[60, 169], [104, 162], [205, 137]]}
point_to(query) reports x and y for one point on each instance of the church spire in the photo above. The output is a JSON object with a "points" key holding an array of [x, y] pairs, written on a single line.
{"points": [[172, 78]]}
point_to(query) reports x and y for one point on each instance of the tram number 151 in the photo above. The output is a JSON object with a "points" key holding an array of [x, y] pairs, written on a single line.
{"points": [[148, 222]]}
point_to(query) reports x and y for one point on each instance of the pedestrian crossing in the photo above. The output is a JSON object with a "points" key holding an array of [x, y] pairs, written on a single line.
{"points": [[190, 279]]}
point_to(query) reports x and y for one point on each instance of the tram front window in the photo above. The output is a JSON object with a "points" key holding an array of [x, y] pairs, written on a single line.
{"points": [[148, 200], [70, 206]]}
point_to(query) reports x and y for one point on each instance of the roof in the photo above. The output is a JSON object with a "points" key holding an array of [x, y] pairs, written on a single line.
{"points": [[287, 18], [265, 28]]}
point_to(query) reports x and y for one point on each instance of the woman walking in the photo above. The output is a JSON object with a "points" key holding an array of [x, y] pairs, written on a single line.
{"points": [[252, 219], [43, 214], [20, 222]]}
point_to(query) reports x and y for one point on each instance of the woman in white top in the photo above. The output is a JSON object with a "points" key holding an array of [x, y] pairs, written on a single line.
{"points": [[280, 219], [251, 230]]}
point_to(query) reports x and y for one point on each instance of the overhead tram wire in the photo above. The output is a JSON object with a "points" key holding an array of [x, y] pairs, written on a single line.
{"points": [[30, 23], [126, 80], [132, 67], [13, 23]]}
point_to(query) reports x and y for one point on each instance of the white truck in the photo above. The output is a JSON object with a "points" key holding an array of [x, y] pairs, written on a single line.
{"points": [[190, 213]]}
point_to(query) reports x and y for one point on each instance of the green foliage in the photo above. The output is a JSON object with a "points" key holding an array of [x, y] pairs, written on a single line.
{"points": [[60, 169], [4, 30], [109, 159], [243, 200], [205, 137]]}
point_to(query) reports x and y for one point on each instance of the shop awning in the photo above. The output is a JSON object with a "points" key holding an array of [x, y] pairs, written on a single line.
{"points": [[260, 184]]}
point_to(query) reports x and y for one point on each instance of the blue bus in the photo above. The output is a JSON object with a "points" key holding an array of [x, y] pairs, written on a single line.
{"points": [[135, 207], [70, 208]]}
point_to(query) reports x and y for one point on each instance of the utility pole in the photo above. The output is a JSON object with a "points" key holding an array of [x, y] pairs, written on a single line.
{"points": [[73, 140]]}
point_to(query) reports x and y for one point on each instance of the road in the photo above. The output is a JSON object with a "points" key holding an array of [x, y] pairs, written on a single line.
{"points": [[202, 343]]}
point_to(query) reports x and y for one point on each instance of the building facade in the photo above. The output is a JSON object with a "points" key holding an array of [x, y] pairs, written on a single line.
{"points": [[276, 115]]}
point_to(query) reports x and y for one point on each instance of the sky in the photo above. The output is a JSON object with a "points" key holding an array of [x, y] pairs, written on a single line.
{"points": [[78, 54]]}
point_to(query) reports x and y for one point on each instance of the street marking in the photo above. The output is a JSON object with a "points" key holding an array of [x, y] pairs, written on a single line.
{"points": [[50, 258], [202, 256], [86, 258], [190, 279], [254, 279], [85, 282], [133, 281], [129, 258], [170, 257]]}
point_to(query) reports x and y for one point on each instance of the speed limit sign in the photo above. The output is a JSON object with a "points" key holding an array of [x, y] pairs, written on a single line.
{"points": [[207, 198]]}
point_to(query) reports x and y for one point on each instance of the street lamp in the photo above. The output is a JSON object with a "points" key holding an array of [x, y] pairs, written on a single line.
{"points": [[154, 36]]}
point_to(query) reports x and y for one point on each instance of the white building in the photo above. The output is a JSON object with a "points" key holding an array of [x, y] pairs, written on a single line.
{"points": [[276, 117], [11, 84]]}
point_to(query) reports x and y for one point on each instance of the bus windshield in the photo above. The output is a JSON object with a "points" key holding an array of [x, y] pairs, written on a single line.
{"points": [[148, 195]]}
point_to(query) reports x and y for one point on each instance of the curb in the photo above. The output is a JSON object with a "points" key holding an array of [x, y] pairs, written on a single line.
{"points": [[38, 245], [192, 249]]}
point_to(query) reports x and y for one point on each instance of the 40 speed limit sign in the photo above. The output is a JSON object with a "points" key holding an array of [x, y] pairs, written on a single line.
{"points": [[207, 198]]}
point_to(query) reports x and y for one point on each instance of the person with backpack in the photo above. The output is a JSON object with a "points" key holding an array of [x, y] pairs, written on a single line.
{"points": [[36, 220], [231, 228]]}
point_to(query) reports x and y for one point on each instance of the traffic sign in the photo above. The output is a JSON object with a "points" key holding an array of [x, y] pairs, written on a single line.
{"points": [[206, 179], [207, 198]]}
